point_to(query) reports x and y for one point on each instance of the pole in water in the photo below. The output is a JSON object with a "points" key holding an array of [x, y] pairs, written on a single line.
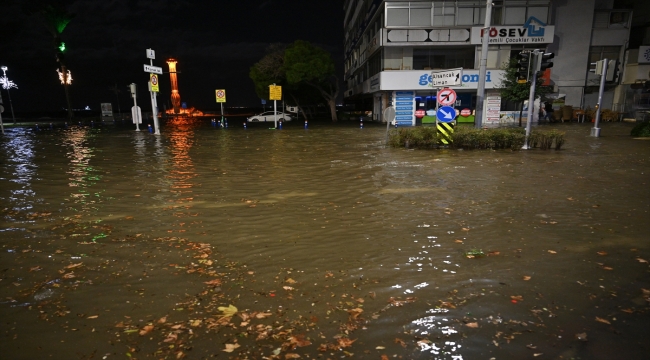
{"points": [[36, 129], [361, 122], [280, 124], [92, 123], [65, 124], [226, 122], [150, 128], [305, 124], [51, 126], [244, 124], [214, 123]]}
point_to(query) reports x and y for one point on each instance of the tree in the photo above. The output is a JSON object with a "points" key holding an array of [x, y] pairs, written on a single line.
{"points": [[271, 70], [518, 93], [305, 63]]}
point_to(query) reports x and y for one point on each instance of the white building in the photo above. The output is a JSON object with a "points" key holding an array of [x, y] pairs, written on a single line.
{"points": [[395, 45]]}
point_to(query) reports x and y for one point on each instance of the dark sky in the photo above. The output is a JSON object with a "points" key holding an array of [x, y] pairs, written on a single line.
{"points": [[215, 43]]}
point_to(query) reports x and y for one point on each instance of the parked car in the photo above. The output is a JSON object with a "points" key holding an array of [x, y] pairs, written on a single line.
{"points": [[269, 116]]}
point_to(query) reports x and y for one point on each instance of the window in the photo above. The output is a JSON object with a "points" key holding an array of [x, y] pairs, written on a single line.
{"points": [[421, 16], [429, 58], [515, 16], [444, 14], [604, 52], [397, 17]]}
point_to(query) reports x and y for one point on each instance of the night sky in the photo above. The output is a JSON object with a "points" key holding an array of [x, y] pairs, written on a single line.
{"points": [[215, 43]]}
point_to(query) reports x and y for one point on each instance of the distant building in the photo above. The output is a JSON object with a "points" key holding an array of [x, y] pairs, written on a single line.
{"points": [[394, 46]]}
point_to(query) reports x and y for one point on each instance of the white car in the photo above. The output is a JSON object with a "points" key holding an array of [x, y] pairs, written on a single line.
{"points": [[269, 116]]}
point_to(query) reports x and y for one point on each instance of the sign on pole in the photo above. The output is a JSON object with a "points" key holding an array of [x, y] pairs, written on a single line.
{"points": [[221, 95], [450, 77], [275, 92], [152, 69], [446, 97], [151, 54], [446, 114], [153, 79]]}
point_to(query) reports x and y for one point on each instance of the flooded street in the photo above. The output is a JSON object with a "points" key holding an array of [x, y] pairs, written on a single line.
{"points": [[321, 243]]}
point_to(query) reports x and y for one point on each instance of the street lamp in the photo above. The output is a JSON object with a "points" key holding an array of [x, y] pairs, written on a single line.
{"points": [[8, 84], [65, 77]]}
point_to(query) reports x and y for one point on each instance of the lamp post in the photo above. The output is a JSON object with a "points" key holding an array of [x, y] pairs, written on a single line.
{"points": [[8, 84]]}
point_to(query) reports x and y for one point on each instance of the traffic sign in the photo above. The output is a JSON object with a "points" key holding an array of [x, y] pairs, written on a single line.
{"points": [[221, 95], [152, 69], [275, 92], [465, 112], [446, 97], [446, 114], [151, 54], [153, 79], [450, 77]]}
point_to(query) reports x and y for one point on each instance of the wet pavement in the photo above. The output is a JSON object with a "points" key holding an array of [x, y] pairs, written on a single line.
{"points": [[320, 243]]}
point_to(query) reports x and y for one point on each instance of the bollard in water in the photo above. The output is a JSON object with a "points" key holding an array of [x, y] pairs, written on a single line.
{"points": [[150, 129], [280, 124], [305, 124], [51, 126], [214, 123], [244, 124], [65, 124], [361, 123], [395, 124], [36, 128], [226, 122], [92, 123]]}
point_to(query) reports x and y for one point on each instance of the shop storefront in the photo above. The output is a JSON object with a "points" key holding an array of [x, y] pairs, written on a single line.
{"points": [[412, 92]]}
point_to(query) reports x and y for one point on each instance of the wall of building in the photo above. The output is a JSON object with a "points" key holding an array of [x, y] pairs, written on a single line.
{"points": [[573, 25]]}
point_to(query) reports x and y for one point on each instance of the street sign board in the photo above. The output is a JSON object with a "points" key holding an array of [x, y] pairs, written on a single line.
{"points": [[446, 114], [450, 77], [465, 112], [151, 54], [152, 69], [221, 95], [153, 79], [275, 92], [446, 97]]}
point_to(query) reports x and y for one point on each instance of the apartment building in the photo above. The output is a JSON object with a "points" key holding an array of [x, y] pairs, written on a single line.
{"points": [[395, 46]]}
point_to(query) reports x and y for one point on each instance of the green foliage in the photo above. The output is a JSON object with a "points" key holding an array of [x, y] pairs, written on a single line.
{"points": [[306, 62], [423, 137], [546, 139], [465, 137], [641, 129], [513, 91]]}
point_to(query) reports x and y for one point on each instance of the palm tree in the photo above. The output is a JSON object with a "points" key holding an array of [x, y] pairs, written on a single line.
{"points": [[56, 19], [117, 92]]}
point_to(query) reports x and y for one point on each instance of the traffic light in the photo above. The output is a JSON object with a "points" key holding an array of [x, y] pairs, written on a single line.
{"points": [[612, 70], [523, 66], [543, 62]]}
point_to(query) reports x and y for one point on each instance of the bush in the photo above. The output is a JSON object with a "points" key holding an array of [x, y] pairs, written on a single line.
{"points": [[641, 129], [466, 137], [471, 138], [416, 137]]}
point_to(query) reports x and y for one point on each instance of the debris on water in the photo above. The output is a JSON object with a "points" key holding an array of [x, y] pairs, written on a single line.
{"points": [[45, 294]]}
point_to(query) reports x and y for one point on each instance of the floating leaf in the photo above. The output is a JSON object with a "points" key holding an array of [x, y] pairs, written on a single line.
{"points": [[291, 356], [603, 321], [145, 330], [291, 281], [552, 252], [72, 266], [472, 325], [582, 336], [526, 278], [602, 253], [228, 311], [215, 282], [641, 260], [231, 347], [93, 317]]}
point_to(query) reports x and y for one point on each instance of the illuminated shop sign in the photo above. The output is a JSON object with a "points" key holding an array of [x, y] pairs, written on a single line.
{"points": [[421, 79], [533, 31]]}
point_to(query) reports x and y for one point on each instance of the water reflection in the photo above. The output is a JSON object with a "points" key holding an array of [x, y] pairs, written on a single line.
{"points": [[18, 170], [82, 174]]}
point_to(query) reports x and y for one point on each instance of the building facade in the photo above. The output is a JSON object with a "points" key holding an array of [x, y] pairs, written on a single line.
{"points": [[392, 48]]}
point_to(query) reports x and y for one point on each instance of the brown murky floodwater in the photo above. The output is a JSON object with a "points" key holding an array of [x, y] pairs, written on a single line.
{"points": [[116, 244]]}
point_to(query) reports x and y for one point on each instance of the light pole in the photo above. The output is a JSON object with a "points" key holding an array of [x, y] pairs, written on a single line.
{"points": [[8, 84]]}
